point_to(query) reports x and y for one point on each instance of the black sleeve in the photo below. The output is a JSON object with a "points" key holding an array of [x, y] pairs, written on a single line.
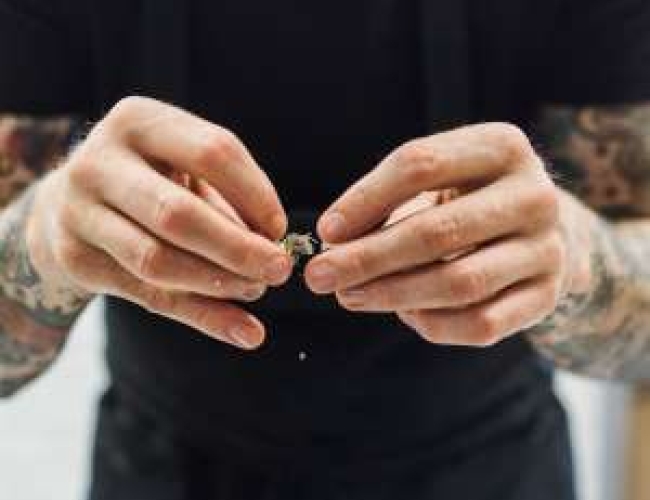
{"points": [[599, 53], [44, 57]]}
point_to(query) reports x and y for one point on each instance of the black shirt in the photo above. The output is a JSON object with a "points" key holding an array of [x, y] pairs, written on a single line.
{"points": [[320, 93]]}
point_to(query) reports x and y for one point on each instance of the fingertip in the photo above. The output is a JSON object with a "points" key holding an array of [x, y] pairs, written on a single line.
{"points": [[278, 270], [251, 336], [259, 340], [332, 226], [319, 276], [306, 276], [279, 226], [273, 225]]}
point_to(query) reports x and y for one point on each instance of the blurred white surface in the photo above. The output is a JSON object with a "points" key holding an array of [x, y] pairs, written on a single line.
{"points": [[597, 415], [46, 432]]}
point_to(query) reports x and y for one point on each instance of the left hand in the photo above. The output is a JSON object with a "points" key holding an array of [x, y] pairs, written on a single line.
{"points": [[511, 232]]}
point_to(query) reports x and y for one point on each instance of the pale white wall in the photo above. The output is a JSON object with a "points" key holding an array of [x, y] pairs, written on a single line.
{"points": [[597, 413], [45, 433]]}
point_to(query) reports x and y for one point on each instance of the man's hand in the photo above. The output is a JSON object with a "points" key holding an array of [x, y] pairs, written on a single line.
{"points": [[491, 262], [112, 219]]}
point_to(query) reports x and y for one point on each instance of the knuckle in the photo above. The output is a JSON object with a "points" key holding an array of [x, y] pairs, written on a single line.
{"points": [[132, 116], [417, 160], [360, 263], [555, 252], [468, 284], [487, 327], [241, 257], [171, 212], [67, 216], [203, 317], [512, 139], [150, 260], [69, 253], [127, 108], [158, 301], [543, 204], [444, 233], [244, 257], [81, 169], [219, 148]]}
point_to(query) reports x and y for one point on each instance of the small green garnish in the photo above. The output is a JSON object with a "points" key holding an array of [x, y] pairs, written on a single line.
{"points": [[299, 245]]}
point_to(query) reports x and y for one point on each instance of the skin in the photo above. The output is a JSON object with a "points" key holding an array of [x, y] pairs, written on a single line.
{"points": [[35, 316], [464, 235], [604, 331], [398, 268], [513, 252], [155, 206]]}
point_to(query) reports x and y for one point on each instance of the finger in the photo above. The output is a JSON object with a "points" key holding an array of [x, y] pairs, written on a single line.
{"points": [[189, 143], [471, 155], [218, 202], [217, 319], [206, 192], [509, 206], [424, 200], [177, 216], [483, 325], [472, 279], [155, 262], [412, 206]]}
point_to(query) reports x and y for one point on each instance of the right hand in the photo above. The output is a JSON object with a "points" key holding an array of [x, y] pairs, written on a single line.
{"points": [[111, 220]]}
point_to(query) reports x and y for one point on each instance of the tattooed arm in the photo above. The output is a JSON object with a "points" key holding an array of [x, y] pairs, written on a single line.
{"points": [[602, 156], [35, 316]]}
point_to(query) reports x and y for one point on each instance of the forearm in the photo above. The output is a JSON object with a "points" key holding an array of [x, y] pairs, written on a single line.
{"points": [[602, 328], [35, 314]]}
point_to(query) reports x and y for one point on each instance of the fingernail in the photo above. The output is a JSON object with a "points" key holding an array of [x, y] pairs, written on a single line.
{"points": [[248, 339], [354, 295], [333, 225], [323, 277], [253, 292], [277, 270]]}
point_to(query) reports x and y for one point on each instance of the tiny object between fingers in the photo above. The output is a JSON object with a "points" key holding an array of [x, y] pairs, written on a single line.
{"points": [[300, 245]]}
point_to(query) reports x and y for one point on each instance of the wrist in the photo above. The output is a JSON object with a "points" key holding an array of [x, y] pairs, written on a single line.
{"points": [[577, 227], [57, 288], [591, 278]]}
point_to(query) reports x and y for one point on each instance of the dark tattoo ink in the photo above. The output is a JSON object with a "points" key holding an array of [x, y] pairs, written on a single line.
{"points": [[605, 331], [35, 316]]}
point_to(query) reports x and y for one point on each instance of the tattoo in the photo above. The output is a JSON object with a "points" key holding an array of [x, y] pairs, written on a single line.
{"points": [[35, 316], [603, 157], [28, 149]]}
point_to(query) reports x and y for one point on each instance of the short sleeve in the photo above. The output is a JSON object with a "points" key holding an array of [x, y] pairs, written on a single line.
{"points": [[44, 61], [599, 53]]}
